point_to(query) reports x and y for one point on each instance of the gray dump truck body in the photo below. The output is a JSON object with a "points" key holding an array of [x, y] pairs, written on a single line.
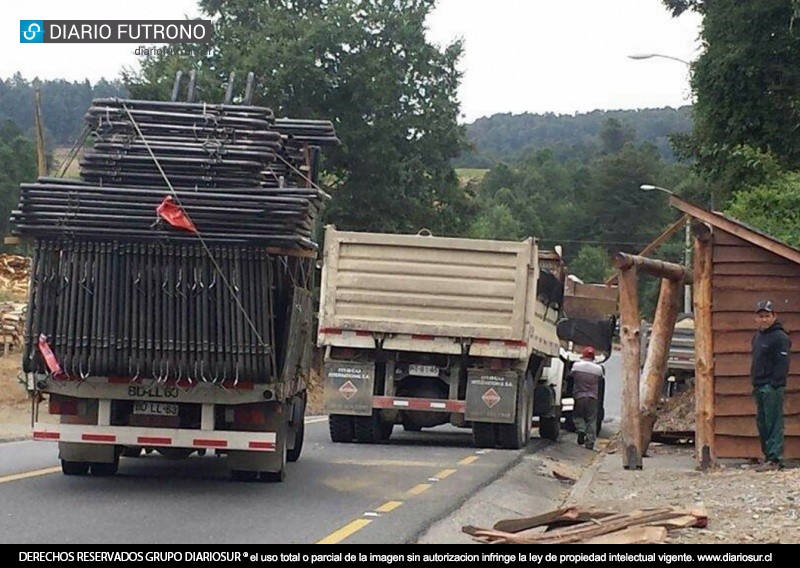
{"points": [[422, 331]]}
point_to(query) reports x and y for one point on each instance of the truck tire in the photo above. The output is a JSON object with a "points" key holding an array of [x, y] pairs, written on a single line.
{"points": [[371, 429], [299, 427], [484, 434], [131, 451], [243, 475], [105, 469], [516, 435], [341, 427], [74, 468], [550, 427], [293, 454], [386, 429]]}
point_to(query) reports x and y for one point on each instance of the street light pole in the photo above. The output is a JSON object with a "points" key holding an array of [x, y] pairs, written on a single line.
{"points": [[687, 249], [650, 55]]}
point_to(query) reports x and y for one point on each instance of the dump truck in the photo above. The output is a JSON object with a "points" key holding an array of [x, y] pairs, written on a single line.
{"points": [[421, 331], [190, 334]]}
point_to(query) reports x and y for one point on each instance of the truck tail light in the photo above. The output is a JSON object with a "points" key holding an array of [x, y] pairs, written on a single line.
{"points": [[63, 405], [249, 415]]}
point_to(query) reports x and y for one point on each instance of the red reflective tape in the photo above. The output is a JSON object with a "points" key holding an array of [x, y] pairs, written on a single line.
{"points": [[261, 445], [423, 337], [330, 331], [46, 435], [481, 341], [98, 437], [154, 440], [515, 343], [424, 404], [210, 443], [364, 333]]}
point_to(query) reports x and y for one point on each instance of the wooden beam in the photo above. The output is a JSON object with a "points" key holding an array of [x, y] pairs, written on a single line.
{"points": [[653, 267], [703, 350], [41, 161], [655, 243], [655, 364], [735, 228], [630, 342]]}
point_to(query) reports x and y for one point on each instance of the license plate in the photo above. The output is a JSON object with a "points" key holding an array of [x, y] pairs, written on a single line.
{"points": [[155, 409], [423, 370]]}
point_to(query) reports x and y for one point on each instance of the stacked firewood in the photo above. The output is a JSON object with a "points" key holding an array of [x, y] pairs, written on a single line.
{"points": [[14, 272], [589, 526], [12, 322]]}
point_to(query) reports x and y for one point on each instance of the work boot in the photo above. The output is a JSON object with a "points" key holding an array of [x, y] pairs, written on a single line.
{"points": [[589, 446], [770, 466], [581, 438]]}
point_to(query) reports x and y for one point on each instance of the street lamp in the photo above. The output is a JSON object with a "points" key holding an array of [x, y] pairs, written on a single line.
{"points": [[687, 249], [651, 55]]}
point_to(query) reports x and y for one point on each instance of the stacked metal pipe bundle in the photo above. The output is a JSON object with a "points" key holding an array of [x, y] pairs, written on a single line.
{"points": [[154, 310], [271, 217]]}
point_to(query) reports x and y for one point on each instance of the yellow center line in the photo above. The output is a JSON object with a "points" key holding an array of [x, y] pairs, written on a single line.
{"points": [[417, 489], [28, 474], [388, 507], [350, 528], [445, 473], [468, 460]]}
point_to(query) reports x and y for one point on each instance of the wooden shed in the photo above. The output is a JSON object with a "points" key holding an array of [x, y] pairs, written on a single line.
{"points": [[734, 267]]}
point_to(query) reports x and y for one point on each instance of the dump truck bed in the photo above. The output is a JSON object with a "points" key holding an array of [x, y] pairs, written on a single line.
{"points": [[434, 286]]}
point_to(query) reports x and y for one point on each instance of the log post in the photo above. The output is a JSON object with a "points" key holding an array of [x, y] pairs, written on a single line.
{"points": [[703, 347], [630, 343], [655, 364]]}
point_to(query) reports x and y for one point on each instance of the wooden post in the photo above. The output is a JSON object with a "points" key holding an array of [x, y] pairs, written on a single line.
{"points": [[655, 364], [703, 347], [629, 339], [41, 161]]}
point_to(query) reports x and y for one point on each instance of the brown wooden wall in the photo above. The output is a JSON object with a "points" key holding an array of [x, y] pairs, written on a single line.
{"points": [[743, 274]]}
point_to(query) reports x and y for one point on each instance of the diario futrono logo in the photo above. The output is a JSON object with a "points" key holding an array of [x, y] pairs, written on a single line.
{"points": [[31, 31]]}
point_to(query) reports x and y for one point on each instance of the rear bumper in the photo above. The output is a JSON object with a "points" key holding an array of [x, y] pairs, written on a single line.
{"points": [[156, 438]]}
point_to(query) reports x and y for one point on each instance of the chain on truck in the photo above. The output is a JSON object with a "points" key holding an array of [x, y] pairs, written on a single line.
{"points": [[194, 333]]}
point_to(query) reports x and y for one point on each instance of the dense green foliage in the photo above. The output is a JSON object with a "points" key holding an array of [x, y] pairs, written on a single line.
{"points": [[773, 207], [747, 89], [17, 165], [507, 137], [63, 105], [366, 65]]}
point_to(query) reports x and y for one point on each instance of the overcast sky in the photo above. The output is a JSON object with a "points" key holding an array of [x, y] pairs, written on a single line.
{"points": [[559, 56]]}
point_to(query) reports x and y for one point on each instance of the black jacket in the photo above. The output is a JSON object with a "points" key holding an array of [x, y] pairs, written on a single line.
{"points": [[771, 349]]}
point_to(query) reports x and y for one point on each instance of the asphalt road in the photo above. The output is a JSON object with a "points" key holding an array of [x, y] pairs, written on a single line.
{"points": [[348, 493]]}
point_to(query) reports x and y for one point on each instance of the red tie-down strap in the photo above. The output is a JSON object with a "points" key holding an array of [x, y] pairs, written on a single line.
{"points": [[49, 357]]}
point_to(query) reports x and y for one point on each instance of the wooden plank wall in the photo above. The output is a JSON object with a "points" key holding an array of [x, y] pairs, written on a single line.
{"points": [[743, 274]]}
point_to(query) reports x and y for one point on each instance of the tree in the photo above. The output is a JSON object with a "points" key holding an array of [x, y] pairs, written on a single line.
{"points": [[773, 207], [367, 66], [591, 264], [17, 165], [747, 87]]}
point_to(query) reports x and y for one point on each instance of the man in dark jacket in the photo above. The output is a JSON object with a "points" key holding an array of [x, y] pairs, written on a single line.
{"points": [[768, 371]]}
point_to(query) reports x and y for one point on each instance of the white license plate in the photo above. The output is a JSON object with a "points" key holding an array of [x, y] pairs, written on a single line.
{"points": [[155, 409], [423, 370]]}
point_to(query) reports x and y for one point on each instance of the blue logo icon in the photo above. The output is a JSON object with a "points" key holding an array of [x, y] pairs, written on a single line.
{"points": [[31, 31]]}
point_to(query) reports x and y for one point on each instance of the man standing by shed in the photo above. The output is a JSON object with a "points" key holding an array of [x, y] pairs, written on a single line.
{"points": [[586, 376], [769, 368]]}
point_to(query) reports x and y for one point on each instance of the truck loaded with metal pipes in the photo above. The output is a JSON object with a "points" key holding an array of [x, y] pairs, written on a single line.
{"points": [[422, 331], [171, 290]]}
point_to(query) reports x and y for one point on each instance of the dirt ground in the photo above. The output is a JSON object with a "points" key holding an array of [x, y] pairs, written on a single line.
{"points": [[743, 504]]}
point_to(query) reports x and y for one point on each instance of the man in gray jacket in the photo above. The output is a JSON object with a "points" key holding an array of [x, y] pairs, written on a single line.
{"points": [[586, 376], [768, 371]]}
